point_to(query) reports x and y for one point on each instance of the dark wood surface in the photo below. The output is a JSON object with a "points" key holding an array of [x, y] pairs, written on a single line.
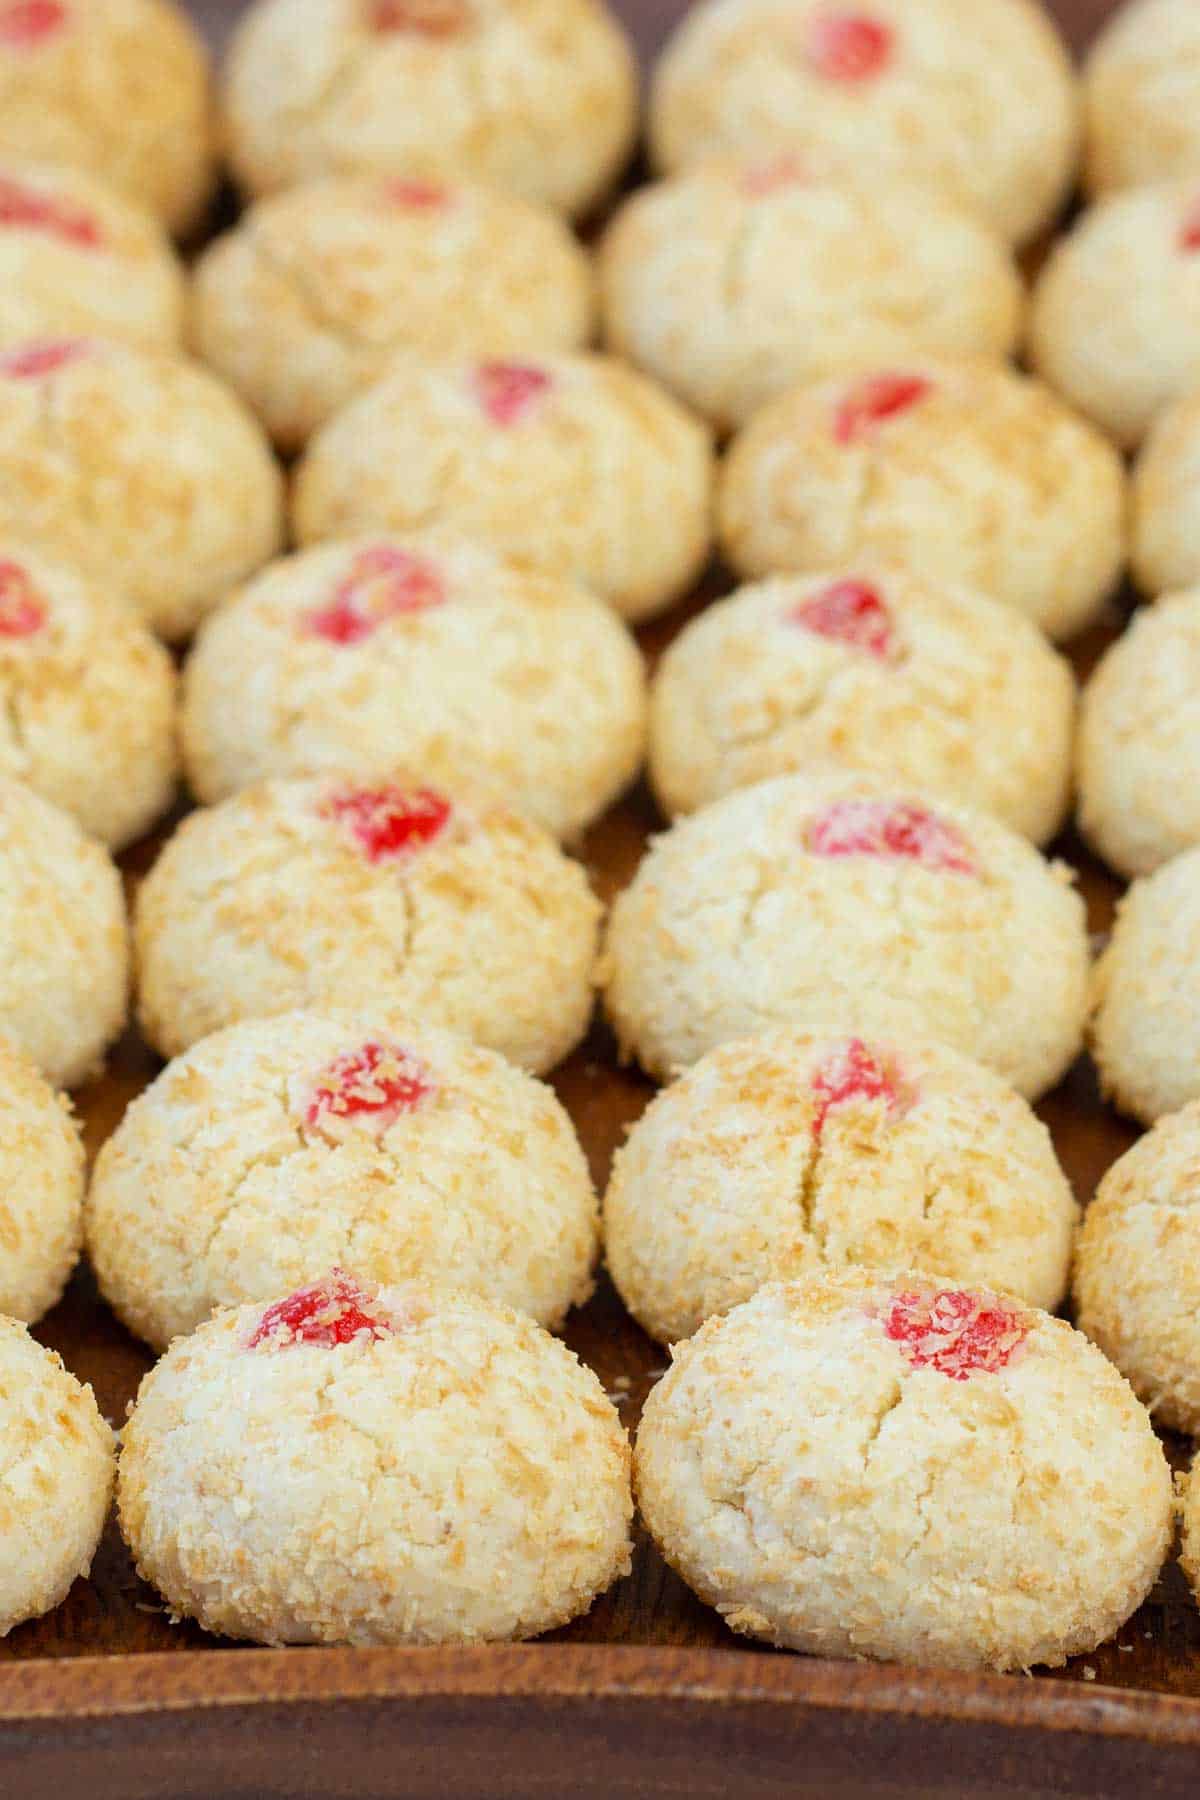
{"points": [[649, 1694]]}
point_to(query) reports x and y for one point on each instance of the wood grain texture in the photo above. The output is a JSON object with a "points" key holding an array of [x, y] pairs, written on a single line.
{"points": [[649, 1694]]}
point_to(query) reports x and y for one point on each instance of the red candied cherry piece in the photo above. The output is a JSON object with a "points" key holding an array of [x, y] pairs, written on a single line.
{"points": [[417, 196], [957, 1333], [870, 405], [890, 828], [768, 178], [508, 392], [24, 24], [383, 582], [387, 823], [1189, 231], [425, 18], [856, 1072], [849, 47], [22, 609], [23, 206], [373, 1085], [330, 1312], [849, 612], [32, 361]]}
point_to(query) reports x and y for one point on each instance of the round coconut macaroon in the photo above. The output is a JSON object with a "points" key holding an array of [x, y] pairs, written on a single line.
{"points": [[539, 98], [1139, 740], [838, 901], [858, 1465], [401, 1466], [139, 468], [76, 257], [574, 465], [117, 87], [1114, 322], [349, 270], [58, 1459], [964, 470], [422, 653], [63, 940], [1141, 94], [976, 98], [781, 1155], [883, 670], [327, 892], [277, 1149], [1165, 493], [1145, 1025], [87, 699], [41, 1190], [736, 280], [1137, 1269]]}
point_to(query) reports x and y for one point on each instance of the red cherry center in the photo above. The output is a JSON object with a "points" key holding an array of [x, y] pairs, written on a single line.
{"points": [[849, 47], [24, 207], [509, 392], [22, 609], [853, 1072], [424, 18], [418, 196], [373, 1086], [387, 823], [24, 24], [959, 1334], [865, 408], [383, 583], [890, 828], [32, 361], [1189, 231], [849, 612], [330, 1312], [768, 178]]}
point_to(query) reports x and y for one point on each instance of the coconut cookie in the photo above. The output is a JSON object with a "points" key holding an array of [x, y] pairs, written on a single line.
{"points": [[853, 1465], [1137, 1269], [76, 257], [836, 901], [539, 97], [407, 1466], [921, 682], [329, 892], [779, 1155], [141, 469], [965, 471], [64, 961], [1139, 740], [575, 465], [116, 87], [1115, 318], [276, 1149], [1165, 550], [57, 1455], [423, 653], [351, 270], [737, 280], [1145, 1028], [87, 699], [1141, 91], [975, 98], [41, 1190]]}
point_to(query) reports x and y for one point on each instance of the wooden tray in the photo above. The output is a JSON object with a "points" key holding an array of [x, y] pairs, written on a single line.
{"points": [[649, 1694]]}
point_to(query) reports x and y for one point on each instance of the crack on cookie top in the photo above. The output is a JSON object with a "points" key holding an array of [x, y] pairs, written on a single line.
{"points": [[849, 612], [387, 823], [27, 24], [510, 392], [330, 1312], [895, 829], [366, 1089], [23, 611], [856, 1074], [25, 208], [850, 48], [34, 361], [865, 408], [383, 582], [955, 1332]]}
